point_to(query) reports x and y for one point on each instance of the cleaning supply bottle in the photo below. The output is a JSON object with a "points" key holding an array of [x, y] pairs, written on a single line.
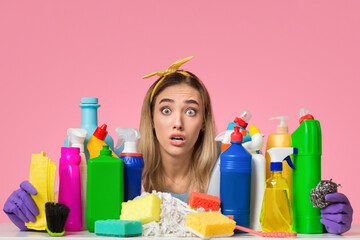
{"points": [[242, 120], [70, 186], [76, 139], [282, 138], [89, 122], [235, 180], [276, 212], [133, 162], [96, 142], [105, 188], [224, 138], [257, 176], [307, 138]]}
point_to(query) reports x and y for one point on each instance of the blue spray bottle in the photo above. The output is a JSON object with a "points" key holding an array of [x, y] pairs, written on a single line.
{"points": [[133, 161], [235, 180], [89, 122]]}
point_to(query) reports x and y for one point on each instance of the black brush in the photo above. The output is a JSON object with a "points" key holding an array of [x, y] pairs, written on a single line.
{"points": [[56, 216]]}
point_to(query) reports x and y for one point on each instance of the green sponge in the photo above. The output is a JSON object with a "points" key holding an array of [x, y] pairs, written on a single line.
{"points": [[118, 228]]}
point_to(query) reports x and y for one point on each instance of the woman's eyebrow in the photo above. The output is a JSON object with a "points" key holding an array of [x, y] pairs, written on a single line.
{"points": [[166, 100], [192, 101]]}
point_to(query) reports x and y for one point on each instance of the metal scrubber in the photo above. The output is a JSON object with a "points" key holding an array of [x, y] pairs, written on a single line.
{"points": [[318, 193]]}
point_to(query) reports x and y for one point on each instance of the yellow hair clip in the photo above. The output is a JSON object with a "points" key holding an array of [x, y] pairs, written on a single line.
{"points": [[173, 68]]}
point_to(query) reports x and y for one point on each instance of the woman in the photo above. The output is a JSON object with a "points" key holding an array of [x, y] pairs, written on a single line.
{"points": [[177, 116], [178, 147]]}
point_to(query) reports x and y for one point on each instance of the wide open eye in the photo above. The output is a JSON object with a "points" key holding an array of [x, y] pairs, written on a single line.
{"points": [[165, 110], [191, 112]]}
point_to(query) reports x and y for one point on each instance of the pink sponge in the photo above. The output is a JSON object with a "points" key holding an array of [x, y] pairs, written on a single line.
{"points": [[208, 202]]}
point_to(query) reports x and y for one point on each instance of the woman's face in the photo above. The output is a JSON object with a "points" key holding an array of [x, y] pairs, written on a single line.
{"points": [[177, 118]]}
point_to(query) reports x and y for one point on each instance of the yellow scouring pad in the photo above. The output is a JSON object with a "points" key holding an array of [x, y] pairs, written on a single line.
{"points": [[210, 224], [145, 209]]}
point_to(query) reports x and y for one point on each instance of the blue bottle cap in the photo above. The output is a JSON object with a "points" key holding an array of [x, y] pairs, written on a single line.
{"points": [[89, 100]]}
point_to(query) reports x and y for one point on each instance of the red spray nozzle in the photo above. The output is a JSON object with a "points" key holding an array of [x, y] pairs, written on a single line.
{"points": [[236, 136], [101, 132]]}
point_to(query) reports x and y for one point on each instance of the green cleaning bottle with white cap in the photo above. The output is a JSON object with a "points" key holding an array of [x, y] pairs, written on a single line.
{"points": [[276, 212]]}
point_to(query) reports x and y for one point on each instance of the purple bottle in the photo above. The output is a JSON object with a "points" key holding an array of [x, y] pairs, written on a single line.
{"points": [[70, 188]]}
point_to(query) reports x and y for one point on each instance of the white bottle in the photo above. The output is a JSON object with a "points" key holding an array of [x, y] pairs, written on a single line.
{"points": [[76, 139], [257, 176]]}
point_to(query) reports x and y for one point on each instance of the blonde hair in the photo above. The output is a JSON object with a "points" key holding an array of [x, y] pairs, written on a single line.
{"points": [[205, 149]]}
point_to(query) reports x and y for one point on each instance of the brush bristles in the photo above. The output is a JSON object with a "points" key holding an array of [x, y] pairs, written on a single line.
{"points": [[56, 216]]}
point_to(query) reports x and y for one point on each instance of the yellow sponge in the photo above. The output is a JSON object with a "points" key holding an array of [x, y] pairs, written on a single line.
{"points": [[145, 209], [210, 224]]}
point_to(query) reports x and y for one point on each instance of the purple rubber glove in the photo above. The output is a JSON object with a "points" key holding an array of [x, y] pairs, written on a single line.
{"points": [[20, 207], [337, 217]]}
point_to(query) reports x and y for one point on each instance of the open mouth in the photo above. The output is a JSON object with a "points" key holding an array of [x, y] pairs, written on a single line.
{"points": [[177, 138]]}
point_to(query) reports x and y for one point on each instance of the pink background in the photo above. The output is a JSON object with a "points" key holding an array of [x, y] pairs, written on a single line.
{"points": [[271, 57]]}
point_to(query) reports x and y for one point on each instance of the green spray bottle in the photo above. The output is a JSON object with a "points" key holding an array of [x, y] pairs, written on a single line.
{"points": [[307, 139], [105, 188]]}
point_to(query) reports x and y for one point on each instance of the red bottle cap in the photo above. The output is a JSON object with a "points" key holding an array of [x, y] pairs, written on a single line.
{"points": [[306, 117], [101, 132], [236, 136], [240, 122]]}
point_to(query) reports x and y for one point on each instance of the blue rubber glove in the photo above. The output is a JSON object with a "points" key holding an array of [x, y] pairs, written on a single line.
{"points": [[20, 207], [337, 217]]}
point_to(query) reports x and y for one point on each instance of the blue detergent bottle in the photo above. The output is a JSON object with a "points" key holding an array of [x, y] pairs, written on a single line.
{"points": [[133, 161], [89, 122], [235, 180]]}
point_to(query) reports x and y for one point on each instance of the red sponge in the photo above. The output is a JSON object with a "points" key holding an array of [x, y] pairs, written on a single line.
{"points": [[208, 202]]}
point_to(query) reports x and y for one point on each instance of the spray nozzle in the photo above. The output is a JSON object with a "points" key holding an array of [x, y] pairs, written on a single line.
{"points": [[128, 136], [279, 154], [77, 137], [282, 127], [305, 114], [243, 119]]}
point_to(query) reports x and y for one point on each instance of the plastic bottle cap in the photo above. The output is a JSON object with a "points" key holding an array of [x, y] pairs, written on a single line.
{"points": [[305, 114], [105, 150], [101, 132], [240, 122], [236, 135], [282, 127], [306, 117], [89, 100]]}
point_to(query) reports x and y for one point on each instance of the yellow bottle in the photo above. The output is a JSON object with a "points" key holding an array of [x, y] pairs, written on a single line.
{"points": [[276, 212], [282, 138], [96, 142]]}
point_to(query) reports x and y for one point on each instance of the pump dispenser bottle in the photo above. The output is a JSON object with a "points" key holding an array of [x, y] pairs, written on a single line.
{"points": [[282, 138], [276, 212], [89, 122], [307, 138], [235, 180], [76, 139]]}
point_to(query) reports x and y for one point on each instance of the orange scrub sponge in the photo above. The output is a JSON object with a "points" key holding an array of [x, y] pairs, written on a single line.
{"points": [[208, 202], [210, 224]]}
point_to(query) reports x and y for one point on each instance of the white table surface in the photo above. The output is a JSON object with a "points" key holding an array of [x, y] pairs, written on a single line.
{"points": [[10, 231]]}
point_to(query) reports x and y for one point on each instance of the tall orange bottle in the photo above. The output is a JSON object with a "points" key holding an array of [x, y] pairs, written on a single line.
{"points": [[282, 138]]}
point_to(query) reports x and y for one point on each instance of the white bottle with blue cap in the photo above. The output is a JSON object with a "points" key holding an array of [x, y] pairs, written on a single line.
{"points": [[276, 212]]}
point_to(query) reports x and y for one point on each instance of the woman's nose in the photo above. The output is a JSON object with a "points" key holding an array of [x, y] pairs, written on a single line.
{"points": [[178, 124]]}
